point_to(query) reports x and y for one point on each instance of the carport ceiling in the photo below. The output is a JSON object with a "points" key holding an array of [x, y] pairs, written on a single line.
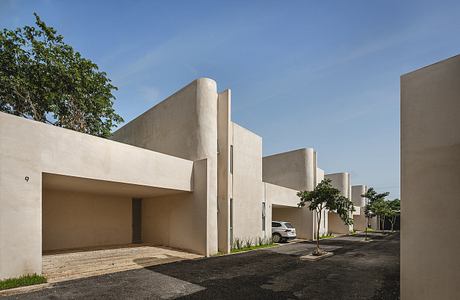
{"points": [[94, 186]]}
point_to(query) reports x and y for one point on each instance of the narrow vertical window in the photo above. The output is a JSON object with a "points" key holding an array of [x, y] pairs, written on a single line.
{"points": [[263, 216], [231, 159]]}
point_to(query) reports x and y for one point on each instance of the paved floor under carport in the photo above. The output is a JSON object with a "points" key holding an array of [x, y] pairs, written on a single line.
{"points": [[85, 262], [358, 270]]}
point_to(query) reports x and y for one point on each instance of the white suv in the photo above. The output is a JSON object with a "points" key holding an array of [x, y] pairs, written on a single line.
{"points": [[282, 231]]}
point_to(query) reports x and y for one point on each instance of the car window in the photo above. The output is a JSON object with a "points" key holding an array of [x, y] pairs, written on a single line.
{"points": [[275, 224], [288, 225]]}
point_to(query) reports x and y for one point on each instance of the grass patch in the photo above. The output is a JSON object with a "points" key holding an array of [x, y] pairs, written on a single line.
{"points": [[369, 229], [326, 236], [21, 281], [243, 249]]}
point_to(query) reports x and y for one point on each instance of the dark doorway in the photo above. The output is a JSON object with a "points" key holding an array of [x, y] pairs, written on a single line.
{"points": [[137, 220]]}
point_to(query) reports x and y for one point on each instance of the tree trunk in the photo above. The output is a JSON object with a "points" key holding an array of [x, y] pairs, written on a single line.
{"points": [[318, 215], [365, 229], [393, 220]]}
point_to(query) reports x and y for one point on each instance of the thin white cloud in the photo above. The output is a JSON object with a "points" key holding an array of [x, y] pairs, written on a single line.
{"points": [[149, 93]]}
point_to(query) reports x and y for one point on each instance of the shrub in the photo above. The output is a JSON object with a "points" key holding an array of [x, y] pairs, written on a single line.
{"points": [[326, 236], [250, 244]]}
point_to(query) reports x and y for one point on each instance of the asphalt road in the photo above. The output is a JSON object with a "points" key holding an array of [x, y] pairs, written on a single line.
{"points": [[357, 270]]}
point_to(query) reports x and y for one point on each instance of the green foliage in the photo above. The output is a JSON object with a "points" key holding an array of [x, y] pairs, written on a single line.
{"points": [[373, 198], [378, 206], [21, 281], [324, 196], [44, 79], [395, 205], [237, 244], [248, 243], [240, 245], [326, 236]]}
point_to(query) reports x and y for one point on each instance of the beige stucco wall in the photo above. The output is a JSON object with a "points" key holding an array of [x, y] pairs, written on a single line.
{"points": [[29, 148], [281, 196], [336, 224], [283, 203], [359, 218], [356, 192], [340, 181], [285, 174], [430, 178], [179, 221], [72, 220], [247, 189], [294, 169], [184, 125], [359, 222], [224, 178]]}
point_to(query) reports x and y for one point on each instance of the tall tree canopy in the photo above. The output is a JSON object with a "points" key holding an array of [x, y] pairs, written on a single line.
{"points": [[44, 79]]}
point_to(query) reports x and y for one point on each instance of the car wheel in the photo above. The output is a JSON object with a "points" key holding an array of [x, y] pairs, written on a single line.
{"points": [[276, 238]]}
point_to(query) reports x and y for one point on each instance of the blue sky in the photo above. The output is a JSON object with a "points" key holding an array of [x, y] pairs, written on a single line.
{"points": [[321, 74]]}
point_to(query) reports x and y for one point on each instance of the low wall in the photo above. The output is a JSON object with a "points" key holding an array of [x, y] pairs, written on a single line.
{"points": [[336, 225]]}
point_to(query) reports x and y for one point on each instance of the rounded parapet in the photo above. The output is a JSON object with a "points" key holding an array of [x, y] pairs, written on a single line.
{"points": [[356, 192], [341, 181]]}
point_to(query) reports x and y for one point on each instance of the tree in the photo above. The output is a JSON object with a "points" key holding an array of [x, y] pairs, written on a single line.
{"points": [[372, 205], [381, 209], [326, 197], [44, 79], [394, 208]]}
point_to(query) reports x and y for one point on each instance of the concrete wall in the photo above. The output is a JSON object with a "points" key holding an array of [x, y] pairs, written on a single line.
{"points": [[294, 169], [248, 193], [283, 203], [359, 217], [340, 181], [356, 192], [179, 220], [359, 222], [430, 177], [281, 196], [224, 179], [184, 125], [73, 220], [29, 148]]}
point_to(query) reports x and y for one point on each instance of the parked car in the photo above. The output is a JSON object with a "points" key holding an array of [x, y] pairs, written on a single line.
{"points": [[282, 231]]}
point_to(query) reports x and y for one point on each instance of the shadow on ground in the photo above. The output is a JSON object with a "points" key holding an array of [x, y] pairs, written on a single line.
{"points": [[358, 270]]}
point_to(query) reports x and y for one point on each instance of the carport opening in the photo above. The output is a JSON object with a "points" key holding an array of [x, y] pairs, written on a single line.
{"points": [[289, 214], [303, 220], [83, 215]]}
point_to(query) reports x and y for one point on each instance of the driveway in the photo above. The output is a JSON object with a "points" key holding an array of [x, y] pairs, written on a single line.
{"points": [[87, 262], [358, 270]]}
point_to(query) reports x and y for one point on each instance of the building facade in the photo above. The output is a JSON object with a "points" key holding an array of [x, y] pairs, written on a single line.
{"points": [[430, 177], [181, 175]]}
